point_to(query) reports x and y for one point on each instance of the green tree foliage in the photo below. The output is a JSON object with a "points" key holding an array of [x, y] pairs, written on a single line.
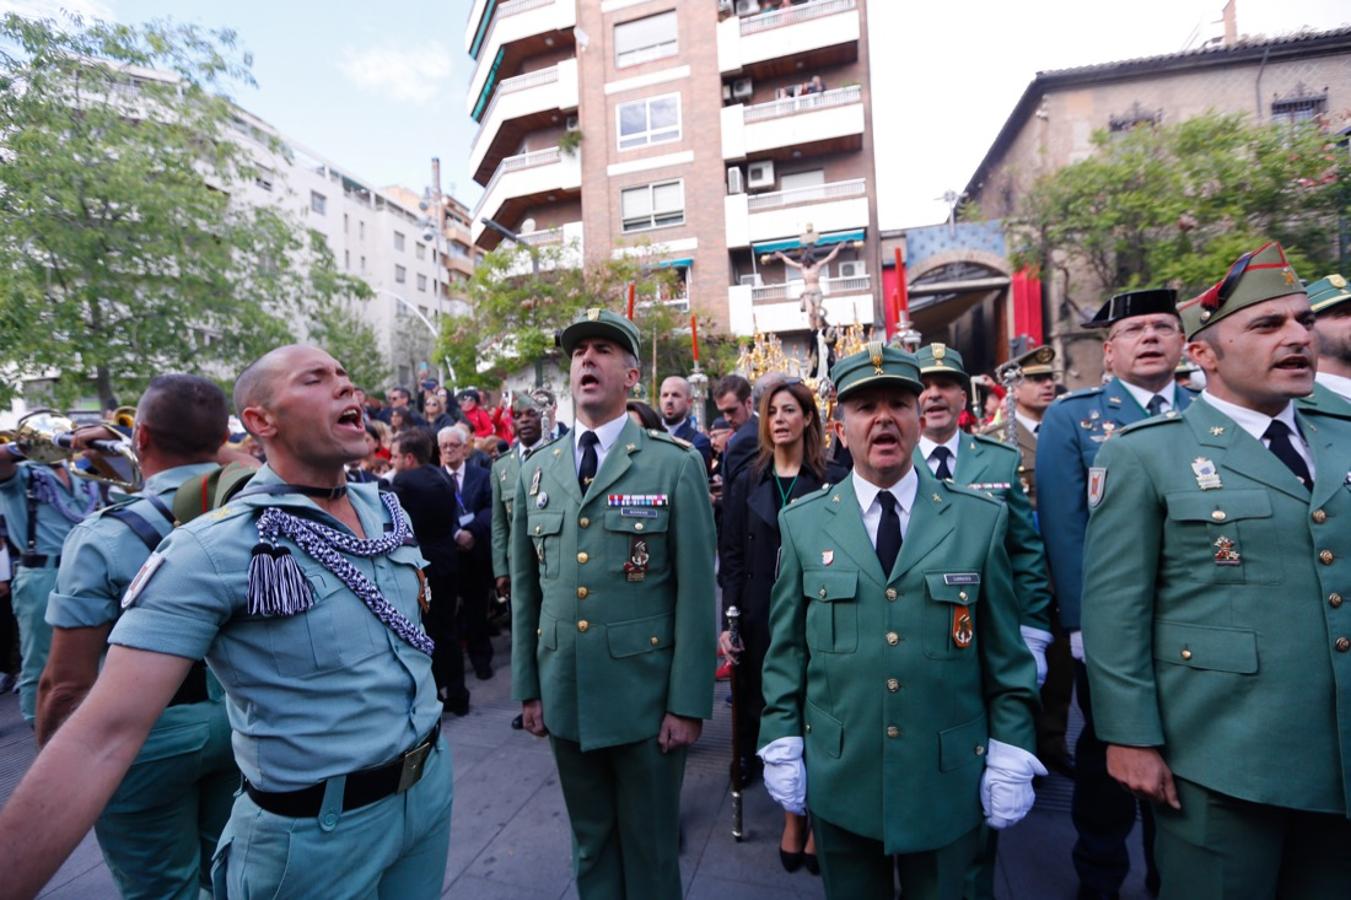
{"points": [[517, 312], [122, 250], [1175, 205]]}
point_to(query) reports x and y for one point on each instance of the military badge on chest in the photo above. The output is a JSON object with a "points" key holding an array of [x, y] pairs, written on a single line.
{"points": [[1226, 552], [963, 628], [635, 569]]}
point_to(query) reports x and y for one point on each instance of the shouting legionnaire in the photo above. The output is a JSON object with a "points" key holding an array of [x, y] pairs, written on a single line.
{"points": [[1142, 348], [612, 634], [302, 593], [1328, 297], [898, 692], [1218, 645], [985, 464], [162, 824], [40, 504]]}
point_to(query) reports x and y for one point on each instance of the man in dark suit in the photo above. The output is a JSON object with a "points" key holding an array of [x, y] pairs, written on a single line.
{"points": [[473, 540], [675, 415], [429, 499], [732, 396]]}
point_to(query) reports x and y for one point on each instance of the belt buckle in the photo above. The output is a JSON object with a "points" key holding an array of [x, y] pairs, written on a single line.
{"points": [[412, 769]]}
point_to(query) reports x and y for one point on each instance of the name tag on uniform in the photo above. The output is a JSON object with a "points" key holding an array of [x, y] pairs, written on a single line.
{"points": [[466, 520], [631, 512], [962, 578]]}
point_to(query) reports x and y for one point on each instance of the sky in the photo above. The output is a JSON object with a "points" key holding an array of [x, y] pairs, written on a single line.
{"points": [[378, 88]]}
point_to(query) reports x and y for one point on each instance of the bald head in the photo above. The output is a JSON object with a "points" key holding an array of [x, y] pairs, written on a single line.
{"points": [[256, 384], [674, 399]]}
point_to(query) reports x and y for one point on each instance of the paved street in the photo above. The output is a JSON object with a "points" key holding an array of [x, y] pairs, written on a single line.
{"points": [[509, 837]]}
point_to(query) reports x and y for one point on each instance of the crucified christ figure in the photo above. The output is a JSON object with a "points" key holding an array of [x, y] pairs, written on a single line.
{"points": [[811, 281]]}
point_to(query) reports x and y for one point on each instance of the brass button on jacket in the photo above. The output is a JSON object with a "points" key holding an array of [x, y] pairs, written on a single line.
{"points": [[1343, 644], [1326, 557], [583, 625], [893, 638], [893, 731], [582, 557], [893, 685], [1334, 599], [581, 593], [891, 593], [1320, 516]]}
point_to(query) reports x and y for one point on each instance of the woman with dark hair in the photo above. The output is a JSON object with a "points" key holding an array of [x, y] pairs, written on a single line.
{"points": [[790, 464], [643, 415]]}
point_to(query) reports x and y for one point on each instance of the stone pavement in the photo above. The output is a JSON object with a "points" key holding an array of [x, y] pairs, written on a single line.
{"points": [[509, 833]]}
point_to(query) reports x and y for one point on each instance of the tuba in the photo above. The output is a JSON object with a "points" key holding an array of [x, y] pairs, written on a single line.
{"points": [[46, 436]]}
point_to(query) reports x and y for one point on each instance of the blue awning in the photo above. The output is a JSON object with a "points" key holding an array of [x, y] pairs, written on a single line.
{"points": [[824, 240]]}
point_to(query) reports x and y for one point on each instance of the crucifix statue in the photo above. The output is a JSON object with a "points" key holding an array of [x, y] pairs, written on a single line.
{"points": [[810, 268]]}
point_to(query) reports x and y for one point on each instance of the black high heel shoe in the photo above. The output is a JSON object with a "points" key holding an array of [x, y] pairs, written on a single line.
{"points": [[810, 862], [792, 861]]}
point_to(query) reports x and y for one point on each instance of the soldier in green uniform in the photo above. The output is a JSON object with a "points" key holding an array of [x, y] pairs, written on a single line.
{"points": [[1328, 297], [302, 594], [985, 464], [160, 828], [40, 504], [899, 694], [527, 417], [613, 639], [1217, 641]]}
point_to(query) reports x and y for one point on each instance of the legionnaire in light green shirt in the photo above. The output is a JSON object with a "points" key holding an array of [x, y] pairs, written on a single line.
{"points": [[302, 594], [613, 641], [1217, 642], [898, 691], [160, 828]]}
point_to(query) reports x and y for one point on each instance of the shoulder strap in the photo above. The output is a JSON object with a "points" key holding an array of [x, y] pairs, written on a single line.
{"points": [[138, 525], [210, 491]]}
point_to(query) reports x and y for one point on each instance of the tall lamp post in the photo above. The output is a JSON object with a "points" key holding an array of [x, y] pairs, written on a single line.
{"points": [[436, 335], [519, 240]]}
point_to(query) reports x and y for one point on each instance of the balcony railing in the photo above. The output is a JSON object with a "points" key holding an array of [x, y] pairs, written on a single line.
{"points": [[792, 290], [545, 238], [779, 199], [510, 8], [805, 103], [529, 160], [776, 18], [511, 86]]}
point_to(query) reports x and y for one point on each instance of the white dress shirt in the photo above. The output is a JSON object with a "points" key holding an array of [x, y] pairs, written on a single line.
{"points": [[904, 491], [927, 448], [608, 433], [1338, 384], [1256, 424], [1142, 396], [1027, 422]]}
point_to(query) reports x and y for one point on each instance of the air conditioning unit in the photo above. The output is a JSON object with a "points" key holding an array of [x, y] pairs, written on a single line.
{"points": [[747, 7], [742, 89], [725, 6], [753, 280], [856, 268], [760, 174], [572, 123], [736, 182]]}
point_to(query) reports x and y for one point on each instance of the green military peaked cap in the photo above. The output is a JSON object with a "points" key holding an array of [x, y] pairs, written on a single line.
{"points": [[940, 359], [1263, 274], [876, 364], [1326, 293], [600, 323], [1037, 361]]}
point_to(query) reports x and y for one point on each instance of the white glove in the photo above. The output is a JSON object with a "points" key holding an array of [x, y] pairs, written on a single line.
{"points": [[1077, 645], [1037, 641], [785, 775], [1006, 792]]}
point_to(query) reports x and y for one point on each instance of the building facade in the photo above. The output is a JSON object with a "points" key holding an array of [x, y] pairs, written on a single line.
{"points": [[380, 235], [704, 135], [1277, 80]]}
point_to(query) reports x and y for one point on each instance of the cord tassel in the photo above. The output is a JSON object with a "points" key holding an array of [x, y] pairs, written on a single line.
{"points": [[277, 587]]}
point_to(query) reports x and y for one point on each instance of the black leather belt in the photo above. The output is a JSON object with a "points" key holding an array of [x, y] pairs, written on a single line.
{"points": [[362, 788], [38, 560], [193, 688]]}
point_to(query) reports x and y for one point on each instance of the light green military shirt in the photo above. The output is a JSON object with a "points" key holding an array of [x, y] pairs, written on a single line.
{"points": [[79, 500], [312, 695]]}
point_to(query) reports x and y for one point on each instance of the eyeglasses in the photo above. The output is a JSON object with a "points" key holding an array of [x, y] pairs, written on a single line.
{"points": [[1137, 331]]}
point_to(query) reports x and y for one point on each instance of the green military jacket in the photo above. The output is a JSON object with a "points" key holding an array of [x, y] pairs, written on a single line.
{"points": [[1214, 627], [505, 471], [993, 467], [896, 682], [612, 594]]}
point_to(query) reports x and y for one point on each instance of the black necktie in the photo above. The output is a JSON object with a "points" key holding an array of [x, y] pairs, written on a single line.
{"points": [[586, 472], [1278, 434], [942, 454], [888, 533], [1155, 405]]}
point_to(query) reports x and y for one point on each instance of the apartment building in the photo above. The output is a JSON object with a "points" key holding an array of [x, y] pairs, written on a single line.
{"points": [[704, 135], [381, 235]]}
